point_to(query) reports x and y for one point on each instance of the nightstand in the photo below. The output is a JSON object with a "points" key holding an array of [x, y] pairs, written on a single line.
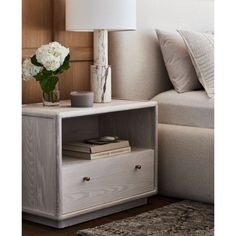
{"points": [[60, 191]]}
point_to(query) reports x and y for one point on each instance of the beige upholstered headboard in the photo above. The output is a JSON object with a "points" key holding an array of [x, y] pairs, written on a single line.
{"points": [[138, 70]]}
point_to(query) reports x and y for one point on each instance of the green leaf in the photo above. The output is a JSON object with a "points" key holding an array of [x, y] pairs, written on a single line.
{"points": [[35, 62], [47, 73], [68, 57], [48, 84], [59, 70], [39, 77]]}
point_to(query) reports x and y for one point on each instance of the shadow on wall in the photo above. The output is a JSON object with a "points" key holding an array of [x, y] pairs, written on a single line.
{"points": [[137, 64]]}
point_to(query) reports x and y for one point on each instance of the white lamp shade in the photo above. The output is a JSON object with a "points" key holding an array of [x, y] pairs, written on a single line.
{"points": [[90, 15]]}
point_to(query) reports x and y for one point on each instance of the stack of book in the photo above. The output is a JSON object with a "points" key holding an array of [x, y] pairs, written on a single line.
{"points": [[93, 151]]}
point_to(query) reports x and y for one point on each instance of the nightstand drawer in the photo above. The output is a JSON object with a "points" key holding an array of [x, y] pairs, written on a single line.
{"points": [[96, 182]]}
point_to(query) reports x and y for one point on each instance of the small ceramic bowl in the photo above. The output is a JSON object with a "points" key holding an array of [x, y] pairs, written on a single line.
{"points": [[81, 99]]}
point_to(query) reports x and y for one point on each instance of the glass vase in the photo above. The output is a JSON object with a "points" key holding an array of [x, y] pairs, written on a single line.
{"points": [[51, 98]]}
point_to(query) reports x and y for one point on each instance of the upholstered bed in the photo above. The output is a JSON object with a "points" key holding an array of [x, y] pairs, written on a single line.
{"points": [[186, 121], [186, 145]]}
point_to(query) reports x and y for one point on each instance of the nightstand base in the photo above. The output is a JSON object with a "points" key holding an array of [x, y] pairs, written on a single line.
{"points": [[85, 217]]}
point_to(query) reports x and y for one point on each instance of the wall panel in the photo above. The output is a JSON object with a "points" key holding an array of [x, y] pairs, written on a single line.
{"points": [[72, 39], [31, 92], [43, 22], [37, 23], [76, 78]]}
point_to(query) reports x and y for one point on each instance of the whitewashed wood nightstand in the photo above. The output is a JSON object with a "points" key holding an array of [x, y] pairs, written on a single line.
{"points": [[56, 191]]}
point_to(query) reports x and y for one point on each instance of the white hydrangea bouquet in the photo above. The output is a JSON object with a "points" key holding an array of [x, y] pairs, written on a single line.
{"points": [[49, 61]]}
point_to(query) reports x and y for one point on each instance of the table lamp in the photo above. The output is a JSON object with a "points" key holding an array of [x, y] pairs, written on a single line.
{"points": [[100, 16]]}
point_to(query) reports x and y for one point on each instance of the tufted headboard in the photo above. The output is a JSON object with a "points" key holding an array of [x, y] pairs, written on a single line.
{"points": [[138, 70]]}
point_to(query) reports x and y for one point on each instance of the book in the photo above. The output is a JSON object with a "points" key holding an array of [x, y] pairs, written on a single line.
{"points": [[91, 156], [93, 148]]}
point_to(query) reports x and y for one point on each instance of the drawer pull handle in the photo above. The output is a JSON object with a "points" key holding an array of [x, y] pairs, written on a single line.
{"points": [[138, 167], [86, 179]]}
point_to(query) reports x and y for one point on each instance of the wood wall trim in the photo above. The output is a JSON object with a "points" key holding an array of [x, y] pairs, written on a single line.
{"points": [[81, 54], [76, 54]]}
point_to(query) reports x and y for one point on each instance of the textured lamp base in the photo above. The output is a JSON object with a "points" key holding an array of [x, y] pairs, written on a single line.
{"points": [[101, 71], [101, 83]]}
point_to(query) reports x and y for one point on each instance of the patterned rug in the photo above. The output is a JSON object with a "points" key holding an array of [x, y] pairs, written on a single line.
{"points": [[185, 218]]}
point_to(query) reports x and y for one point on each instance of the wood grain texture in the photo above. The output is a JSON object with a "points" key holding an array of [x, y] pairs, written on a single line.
{"points": [[31, 92], [29, 228], [38, 165], [78, 219], [81, 54], [37, 23], [138, 126], [111, 179], [66, 111], [58, 165], [79, 128], [75, 79], [53, 186], [43, 22], [72, 39], [76, 54]]}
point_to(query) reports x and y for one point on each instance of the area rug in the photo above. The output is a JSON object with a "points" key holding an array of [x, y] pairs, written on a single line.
{"points": [[185, 218]]}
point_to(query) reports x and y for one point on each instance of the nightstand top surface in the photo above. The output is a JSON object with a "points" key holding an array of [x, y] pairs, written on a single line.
{"points": [[65, 110]]}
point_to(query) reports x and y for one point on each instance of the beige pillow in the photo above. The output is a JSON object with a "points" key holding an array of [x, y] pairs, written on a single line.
{"points": [[178, 62], [201, 50]]}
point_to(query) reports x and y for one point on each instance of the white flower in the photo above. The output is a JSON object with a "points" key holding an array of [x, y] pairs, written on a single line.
{"points": [[52, 55], [51, 63], [29, 70], [59, 51]]}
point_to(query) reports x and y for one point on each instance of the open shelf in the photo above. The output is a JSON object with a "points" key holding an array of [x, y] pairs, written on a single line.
{"points": [[134, 125]]}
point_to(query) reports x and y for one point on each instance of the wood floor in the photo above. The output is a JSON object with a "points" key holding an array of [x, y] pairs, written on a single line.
{"points": [[32, 229]]}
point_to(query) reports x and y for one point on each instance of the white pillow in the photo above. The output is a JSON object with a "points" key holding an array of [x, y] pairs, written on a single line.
{"points": [[201, 50], [178, 62]]}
